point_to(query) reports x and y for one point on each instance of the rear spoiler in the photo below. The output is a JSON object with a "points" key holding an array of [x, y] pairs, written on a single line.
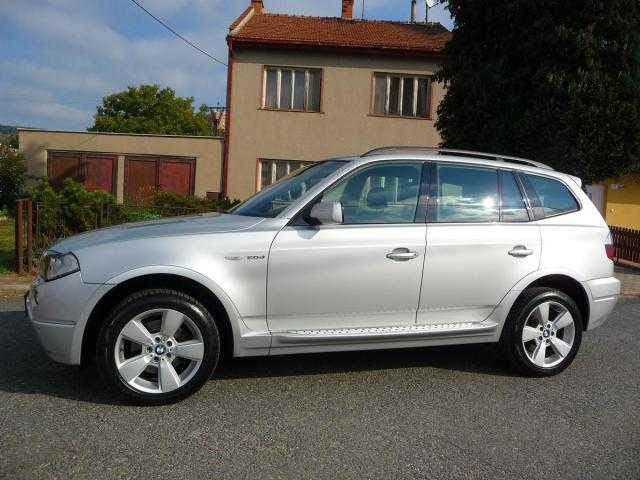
{"points": [[578, 180]]}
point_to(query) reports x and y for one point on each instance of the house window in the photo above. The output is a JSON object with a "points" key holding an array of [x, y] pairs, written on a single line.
{"points": [[292, 89], [273, 170], [398, 95]]}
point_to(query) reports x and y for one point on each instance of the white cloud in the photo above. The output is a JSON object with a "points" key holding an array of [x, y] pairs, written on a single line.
{"points": [[72, 30], [24, 101], [61, 77]]}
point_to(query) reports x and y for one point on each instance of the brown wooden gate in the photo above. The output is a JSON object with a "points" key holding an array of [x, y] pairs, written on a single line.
{"points": [[144, 175], [96, 171]]}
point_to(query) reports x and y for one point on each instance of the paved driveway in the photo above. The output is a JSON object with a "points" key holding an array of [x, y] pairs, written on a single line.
{"points": [[429, 413]]}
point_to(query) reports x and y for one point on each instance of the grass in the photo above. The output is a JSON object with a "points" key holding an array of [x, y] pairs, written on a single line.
{"points": [[7, 246]]}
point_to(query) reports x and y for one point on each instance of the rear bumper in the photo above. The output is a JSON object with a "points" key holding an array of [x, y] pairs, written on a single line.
{"points": [[604, 293]]}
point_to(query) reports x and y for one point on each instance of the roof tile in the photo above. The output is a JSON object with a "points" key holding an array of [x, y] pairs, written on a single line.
{"points": [[270, 28]]}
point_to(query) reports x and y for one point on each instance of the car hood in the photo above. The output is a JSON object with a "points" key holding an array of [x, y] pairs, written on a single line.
{"points": [[167, 227]]}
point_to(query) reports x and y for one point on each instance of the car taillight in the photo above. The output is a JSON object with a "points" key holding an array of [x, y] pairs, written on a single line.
{"points": [[608, 247]]}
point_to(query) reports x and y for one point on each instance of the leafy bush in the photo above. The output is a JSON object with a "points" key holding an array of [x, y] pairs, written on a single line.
{"points": [[70, 210], [12, 176], [167, 201], [73, 209]]}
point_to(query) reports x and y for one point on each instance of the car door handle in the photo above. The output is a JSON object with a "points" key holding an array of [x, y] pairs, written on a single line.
{"points": [[520, 251], [402, 255]]}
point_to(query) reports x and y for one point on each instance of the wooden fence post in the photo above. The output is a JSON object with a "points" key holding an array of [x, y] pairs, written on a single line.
{"points": [[29, 235], [19, 237]]}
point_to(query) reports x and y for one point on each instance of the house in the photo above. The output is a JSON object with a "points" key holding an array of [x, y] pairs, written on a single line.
{"points": [[618, 199], [127, 165], [300, 89]]}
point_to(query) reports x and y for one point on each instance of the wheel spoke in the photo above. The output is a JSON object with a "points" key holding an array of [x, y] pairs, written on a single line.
{"points": [[133, 367], [137, 333], [168, 378], [543, 312], [530, 333], [192, 350], [171, 322], [561, 347], [539, 354], [563, 320]]}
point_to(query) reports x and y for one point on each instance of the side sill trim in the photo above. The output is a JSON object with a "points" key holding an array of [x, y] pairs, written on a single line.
{"points": [[361, 335]]}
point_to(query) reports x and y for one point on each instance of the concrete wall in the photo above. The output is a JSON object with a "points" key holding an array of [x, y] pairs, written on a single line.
{"points": [[345, 125], [206, 150]]}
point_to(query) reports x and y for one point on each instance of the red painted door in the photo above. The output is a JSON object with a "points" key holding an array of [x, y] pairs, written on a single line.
{"points": [[61, 165], [175, 176], [94, 170], [139, 178], [98, 172]]}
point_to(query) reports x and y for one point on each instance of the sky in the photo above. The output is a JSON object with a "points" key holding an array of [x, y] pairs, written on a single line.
{"points": [[59, 58]]}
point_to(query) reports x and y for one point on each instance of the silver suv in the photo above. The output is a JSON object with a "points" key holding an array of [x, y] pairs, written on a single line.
{"points": [[397, 248]]}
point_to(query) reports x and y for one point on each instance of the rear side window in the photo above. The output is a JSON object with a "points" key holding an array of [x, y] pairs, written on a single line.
{"points": [[554, 197], [466, 194]]}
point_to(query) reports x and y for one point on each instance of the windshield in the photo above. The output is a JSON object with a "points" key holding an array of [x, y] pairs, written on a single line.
{"points": [[271, 201]]}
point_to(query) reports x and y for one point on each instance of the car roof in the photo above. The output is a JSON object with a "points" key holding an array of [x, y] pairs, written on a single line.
{"points": [[458, 156], [450, 152]]}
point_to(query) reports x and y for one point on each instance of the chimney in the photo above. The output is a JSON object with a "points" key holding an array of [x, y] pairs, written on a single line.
{"points": [[414, 9], [347, 9], [257, 5]]}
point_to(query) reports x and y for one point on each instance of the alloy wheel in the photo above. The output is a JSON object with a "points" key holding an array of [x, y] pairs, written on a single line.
{"points": [[158, 351], [548, 334]]}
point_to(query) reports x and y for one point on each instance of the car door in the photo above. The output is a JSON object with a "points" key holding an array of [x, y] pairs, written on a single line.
{"points": [[480, 243], [362, 273]]}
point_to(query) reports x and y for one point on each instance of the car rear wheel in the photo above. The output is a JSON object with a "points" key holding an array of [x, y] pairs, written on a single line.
{"points": [[158, 346], [543, 332]]}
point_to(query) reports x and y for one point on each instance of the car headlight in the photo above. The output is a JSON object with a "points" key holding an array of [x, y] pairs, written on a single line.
{"points": [[56, 265]]}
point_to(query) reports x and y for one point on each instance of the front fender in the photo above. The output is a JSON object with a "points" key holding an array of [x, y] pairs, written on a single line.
{"points": [[259, 344]]}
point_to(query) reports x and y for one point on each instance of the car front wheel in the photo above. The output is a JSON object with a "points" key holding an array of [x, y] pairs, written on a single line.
{"points": [[158, 346], [543, 332]]}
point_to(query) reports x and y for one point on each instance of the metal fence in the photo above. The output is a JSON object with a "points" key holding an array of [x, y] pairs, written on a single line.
{"points": [[39, 225], [626, 242]]}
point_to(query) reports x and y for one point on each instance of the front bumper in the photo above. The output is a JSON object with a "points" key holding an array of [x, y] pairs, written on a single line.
{"points": [[56, 310], [604, 296]]}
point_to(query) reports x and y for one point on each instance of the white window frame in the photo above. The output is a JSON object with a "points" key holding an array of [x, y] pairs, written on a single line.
{"points": [[416, 79], [274, 166], [307, 84]]}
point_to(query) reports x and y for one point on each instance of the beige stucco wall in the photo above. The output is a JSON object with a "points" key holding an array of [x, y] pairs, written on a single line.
{"points": [[206, 150], [345, 125]]}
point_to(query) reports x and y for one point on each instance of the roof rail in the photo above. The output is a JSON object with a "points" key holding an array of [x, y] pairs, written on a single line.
{"points": [[458, 153]]}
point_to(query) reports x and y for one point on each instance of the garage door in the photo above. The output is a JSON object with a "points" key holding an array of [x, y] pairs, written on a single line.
{"points": [[96, 171], [145, 175]]}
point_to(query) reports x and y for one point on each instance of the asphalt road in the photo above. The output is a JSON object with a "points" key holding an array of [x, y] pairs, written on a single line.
{"points": [[430, 413]]}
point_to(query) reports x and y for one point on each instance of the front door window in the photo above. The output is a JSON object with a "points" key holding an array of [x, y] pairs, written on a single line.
{"points": [[379, 194]]}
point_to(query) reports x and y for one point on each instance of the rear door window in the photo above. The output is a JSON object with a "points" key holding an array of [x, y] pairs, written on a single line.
{"points": [[466, 194], [554, 198]]}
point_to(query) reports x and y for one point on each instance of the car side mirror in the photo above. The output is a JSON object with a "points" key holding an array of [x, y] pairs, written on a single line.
{"points": [[326, 213]]}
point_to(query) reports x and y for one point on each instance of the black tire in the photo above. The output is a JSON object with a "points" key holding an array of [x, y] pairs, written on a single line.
{"points": [[511, 338], [144, 301]]}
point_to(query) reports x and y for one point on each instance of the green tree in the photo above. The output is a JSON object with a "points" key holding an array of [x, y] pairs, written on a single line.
{"points": [[9, 139], [12, 177], [150, 109], [557, 81]]}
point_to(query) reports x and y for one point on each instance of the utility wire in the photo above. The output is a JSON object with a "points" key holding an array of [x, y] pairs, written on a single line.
{"points": [[193, 45]]}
